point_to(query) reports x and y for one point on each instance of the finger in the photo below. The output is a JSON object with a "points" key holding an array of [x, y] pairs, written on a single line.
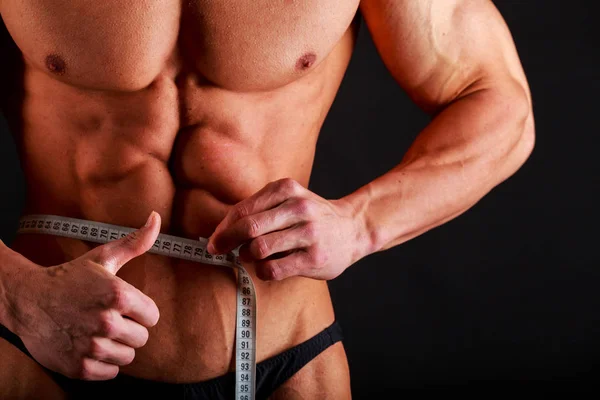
{"points": [[132, 303], [276, 242], [94, 370], [132, 334], [115, 254], [114, 326], [282, 268], [268, 197], [111, 352], [289, 213]]}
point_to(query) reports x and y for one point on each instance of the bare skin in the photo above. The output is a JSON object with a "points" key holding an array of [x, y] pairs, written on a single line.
{"points": [[25, 379], [208, 114]]}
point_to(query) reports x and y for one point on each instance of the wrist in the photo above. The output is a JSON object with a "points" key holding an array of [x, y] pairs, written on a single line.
{"points": [[365, 235], [15, 272]]}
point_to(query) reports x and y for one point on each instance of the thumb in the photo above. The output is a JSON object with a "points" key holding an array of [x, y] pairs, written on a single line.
{"points": [[112, 256]]}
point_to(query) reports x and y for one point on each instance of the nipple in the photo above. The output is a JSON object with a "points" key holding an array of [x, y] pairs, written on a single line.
{"points": [[56, 64], [306, 61]]}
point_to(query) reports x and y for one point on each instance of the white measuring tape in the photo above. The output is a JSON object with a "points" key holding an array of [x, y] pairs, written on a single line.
{"points": [[186, 249]]}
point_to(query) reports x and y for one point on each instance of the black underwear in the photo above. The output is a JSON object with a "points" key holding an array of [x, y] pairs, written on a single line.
{"points": [[270, 374]]}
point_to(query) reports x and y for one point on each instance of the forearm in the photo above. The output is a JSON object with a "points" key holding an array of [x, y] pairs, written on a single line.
{"points": [[471, 146]]}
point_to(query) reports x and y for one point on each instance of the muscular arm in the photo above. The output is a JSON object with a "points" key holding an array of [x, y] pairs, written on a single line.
{"points": [[457, 61]]}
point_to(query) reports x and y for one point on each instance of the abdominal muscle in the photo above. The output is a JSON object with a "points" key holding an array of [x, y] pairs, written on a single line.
{"points": [[189, 151], [195, 336]]}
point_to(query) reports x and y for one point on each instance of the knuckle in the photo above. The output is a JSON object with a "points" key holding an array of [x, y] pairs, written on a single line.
{"points": [[273, 271], [104, 253], [259, 248], [85, 370], [130, 239], [304, 207], [240, 211], [288, 185], [117, 295], [107, 324], [251, 227], [96, 350]]}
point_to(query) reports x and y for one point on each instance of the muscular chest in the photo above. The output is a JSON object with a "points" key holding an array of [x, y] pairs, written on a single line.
{"points": [[125, 44]]}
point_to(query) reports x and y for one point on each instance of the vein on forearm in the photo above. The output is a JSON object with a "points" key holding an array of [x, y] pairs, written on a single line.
{"points": [[466, 150]]}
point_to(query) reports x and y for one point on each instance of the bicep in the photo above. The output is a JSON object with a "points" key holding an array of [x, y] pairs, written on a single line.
{"points": [[438, 50]]}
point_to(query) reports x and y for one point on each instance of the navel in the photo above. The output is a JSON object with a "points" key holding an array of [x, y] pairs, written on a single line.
{"points": [[306, 61], [56, 64]]}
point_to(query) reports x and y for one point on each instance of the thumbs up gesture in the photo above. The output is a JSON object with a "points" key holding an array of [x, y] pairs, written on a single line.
{"points": [[81, 320]]}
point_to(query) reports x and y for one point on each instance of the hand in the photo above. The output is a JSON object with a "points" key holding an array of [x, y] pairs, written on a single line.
{"points": [[82, 321], [286, 230]]}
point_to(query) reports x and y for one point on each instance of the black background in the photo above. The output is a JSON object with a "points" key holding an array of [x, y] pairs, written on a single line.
{"points": [[506, 295]]}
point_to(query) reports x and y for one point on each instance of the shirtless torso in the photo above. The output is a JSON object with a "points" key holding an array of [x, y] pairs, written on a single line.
{"points": [[120, 107], [184, 108]]}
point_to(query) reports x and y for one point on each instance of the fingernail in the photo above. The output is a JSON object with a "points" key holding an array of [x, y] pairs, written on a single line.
{"points": [[150, 219]]}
